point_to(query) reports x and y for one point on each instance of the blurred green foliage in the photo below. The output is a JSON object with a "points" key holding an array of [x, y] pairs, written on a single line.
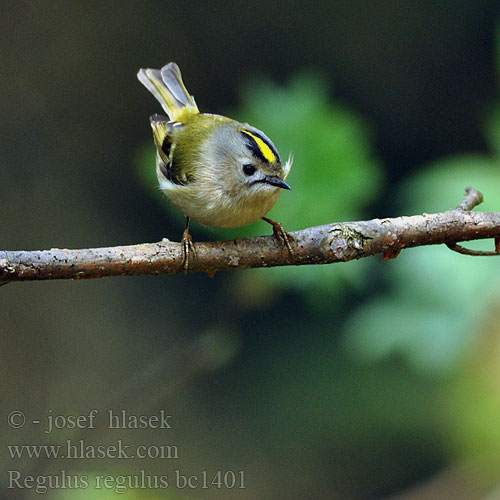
{"points": [[438, 312], [432, 312]]}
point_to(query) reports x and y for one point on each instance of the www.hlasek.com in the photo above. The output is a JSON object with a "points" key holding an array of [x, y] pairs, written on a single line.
{"points": [[123, 483], [82, 450]]}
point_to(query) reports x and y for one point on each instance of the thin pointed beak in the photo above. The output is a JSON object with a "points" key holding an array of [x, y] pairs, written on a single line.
{"points": [[274, 180]]}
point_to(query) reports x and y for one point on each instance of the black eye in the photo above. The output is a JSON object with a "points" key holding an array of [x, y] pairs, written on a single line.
{"points": [[248, 169]]}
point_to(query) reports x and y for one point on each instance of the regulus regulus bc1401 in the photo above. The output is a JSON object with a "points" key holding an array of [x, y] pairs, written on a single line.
{"points": [[216, 170]]}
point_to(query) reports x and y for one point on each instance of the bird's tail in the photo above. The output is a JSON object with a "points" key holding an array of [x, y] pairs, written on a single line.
{"points": [[168, 88]]}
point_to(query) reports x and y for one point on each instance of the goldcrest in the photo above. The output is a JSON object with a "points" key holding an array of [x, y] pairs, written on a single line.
{"points": [[216, 170]]}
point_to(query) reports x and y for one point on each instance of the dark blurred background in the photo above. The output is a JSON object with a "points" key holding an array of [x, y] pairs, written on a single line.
{"points": [[363, 380]]}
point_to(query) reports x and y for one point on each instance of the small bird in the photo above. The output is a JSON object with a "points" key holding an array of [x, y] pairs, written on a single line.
{"points": [[216, 170]]}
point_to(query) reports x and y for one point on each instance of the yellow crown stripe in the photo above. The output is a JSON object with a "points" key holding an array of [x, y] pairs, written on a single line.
{"points": [[266, 151]]}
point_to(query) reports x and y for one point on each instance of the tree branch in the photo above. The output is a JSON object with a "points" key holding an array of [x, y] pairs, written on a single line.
{"points": [[338, 242]]}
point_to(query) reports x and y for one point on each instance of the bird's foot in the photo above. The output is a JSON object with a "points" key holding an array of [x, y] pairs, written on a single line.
{"points": [[281, 235], [188, 250]]}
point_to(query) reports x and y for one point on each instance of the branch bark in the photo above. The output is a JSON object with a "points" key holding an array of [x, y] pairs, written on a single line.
{"points": [[326, 244]]}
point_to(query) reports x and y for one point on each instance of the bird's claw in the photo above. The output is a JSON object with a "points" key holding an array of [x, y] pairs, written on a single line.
{"points": [[281, 235], [187, 249]]}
